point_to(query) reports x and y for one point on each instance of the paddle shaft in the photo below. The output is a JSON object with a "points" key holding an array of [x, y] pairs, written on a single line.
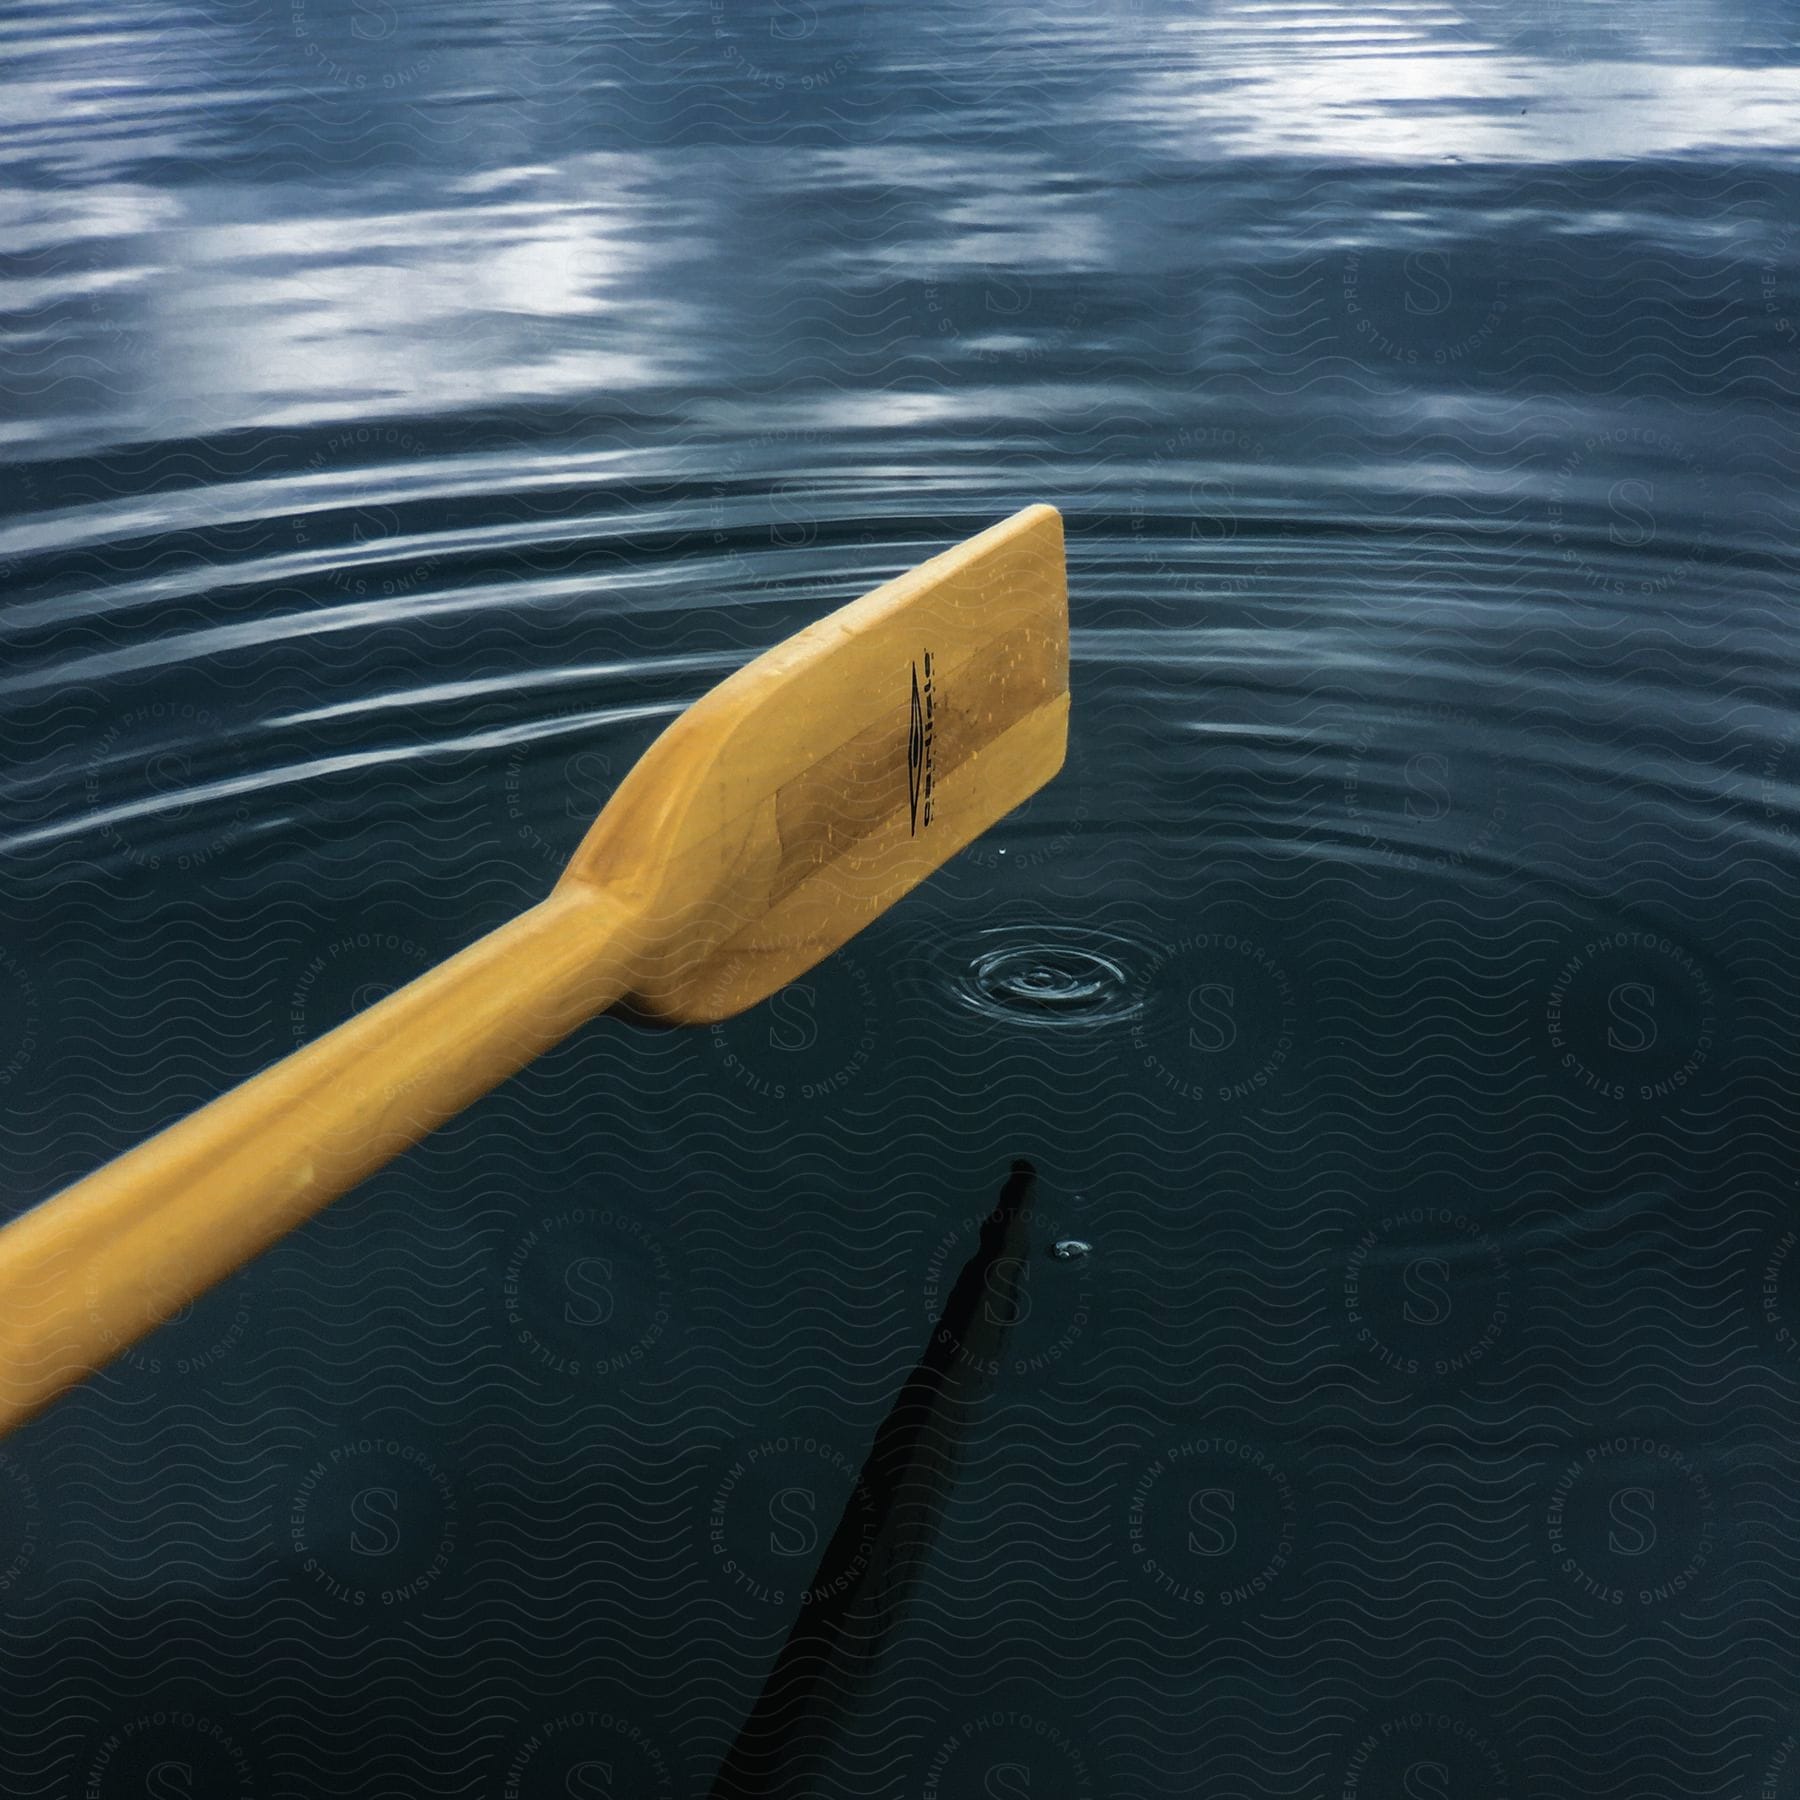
{"points": [[87, 1273]]}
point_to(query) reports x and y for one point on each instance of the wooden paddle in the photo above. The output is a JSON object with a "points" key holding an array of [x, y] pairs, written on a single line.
{"points": [[771, 821]]}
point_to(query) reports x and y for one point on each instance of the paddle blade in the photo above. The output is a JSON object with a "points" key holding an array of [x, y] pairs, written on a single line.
{"points": [[805, 794]]}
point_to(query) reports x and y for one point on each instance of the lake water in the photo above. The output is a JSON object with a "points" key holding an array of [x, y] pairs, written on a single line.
{"points": [[412, 408]]}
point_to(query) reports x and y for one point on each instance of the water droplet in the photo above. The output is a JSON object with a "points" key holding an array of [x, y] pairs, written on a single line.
{"points": [[1071, 1249]]}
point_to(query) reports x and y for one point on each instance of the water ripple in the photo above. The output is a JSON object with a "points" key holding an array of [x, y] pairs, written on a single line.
{"points": [[1051, 977]]}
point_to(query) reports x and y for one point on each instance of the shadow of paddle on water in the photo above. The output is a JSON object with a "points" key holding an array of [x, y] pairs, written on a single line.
{"points": [[860, 1592]]}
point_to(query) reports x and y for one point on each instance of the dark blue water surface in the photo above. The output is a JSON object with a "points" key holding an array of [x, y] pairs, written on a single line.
{"points": [[410, 408]]}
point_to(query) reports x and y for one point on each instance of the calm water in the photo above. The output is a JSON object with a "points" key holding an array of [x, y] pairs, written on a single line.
{"points": [[411, 408]]}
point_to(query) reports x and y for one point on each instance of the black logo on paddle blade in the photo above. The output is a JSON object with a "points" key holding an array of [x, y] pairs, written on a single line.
{"points": [[919, 758], [915, 751]]}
